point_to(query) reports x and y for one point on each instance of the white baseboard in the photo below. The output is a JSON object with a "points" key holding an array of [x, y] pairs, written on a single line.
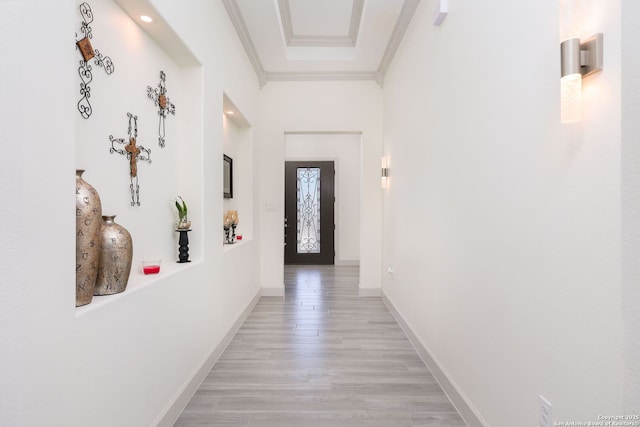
{"points": [[368, 292], [273, 292], [462, 405], [173, 410], [349, 262]]}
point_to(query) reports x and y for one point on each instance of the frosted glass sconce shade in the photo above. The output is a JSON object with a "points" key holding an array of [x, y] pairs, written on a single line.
{"points": [[571, 98], [577, 60]]}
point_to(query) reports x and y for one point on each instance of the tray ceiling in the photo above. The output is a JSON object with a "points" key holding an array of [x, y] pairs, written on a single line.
{"points": [[320, 39]]}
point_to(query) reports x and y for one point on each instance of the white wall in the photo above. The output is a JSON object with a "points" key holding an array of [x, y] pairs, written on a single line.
{"points": [[503, 226], [344, 150], [13, 225], [631, 202], [318, 107], [123, 362]]}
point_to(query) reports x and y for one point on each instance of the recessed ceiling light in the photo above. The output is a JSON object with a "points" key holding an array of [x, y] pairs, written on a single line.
{"points": [[145, 18], [230, 112]]}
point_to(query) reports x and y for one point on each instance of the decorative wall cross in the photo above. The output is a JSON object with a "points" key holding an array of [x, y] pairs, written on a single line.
{"points": [[88, 53], [133, 151], [134, 154], [165, 107]]}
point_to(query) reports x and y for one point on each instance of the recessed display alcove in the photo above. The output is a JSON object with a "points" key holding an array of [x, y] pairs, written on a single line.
{"points": [[152, 67], [238, 148]]}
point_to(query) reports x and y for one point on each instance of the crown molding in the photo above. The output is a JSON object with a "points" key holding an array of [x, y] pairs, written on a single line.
{"points": [[356, 19], [321, 76], [320, 41], [292, 39], [404, 19], [243, 33]]}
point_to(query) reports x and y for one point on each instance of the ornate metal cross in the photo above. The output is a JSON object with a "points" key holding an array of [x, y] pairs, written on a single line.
{"points": [[134, 154], [165, 107], [88, 53]]}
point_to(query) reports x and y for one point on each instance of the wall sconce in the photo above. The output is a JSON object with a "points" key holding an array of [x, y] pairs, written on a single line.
{"points": [[577, 60], [385, 172]]}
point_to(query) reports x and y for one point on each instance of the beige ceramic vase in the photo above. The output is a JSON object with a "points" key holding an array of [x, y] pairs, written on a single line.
{"points": [[88, 226]]}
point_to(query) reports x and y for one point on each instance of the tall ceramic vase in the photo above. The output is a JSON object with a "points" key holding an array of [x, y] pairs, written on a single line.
{"points": [[88, 226], [115, 258]]}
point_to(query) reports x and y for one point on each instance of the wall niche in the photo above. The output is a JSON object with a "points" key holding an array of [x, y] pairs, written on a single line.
{"points": [[238, 146], [144, 55]]}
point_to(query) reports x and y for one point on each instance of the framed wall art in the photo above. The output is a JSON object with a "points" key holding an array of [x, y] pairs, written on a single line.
{"points": [[227, 180]]}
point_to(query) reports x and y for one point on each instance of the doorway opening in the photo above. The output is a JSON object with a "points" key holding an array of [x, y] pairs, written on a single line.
{"points": [[344, 150]]}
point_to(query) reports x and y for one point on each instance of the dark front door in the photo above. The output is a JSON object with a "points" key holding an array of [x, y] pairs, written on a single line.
{"points": [[308, 204]]}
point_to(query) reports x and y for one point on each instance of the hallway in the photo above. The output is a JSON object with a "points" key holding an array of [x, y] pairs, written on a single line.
{"points": [[322, 356]]}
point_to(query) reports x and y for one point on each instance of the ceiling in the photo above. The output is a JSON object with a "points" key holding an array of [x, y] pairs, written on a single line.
{"points": [[320, 39]]}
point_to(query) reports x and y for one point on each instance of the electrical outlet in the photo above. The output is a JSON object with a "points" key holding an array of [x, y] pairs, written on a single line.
{"points": [[545, 415]]}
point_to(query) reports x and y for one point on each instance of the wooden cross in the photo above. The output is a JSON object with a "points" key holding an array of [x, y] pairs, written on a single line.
{"points": [[134, 154], [133, 151]]}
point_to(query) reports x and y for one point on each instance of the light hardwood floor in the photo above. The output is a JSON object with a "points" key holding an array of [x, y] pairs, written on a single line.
{"points": [[320, 356]]}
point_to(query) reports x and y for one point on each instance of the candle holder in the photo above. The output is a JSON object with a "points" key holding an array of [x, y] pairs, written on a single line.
{"points": [[227, 235], [151, 267], [183, 250], [230, 222]]}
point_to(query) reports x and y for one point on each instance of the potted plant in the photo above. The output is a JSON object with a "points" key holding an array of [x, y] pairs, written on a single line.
{"points": [[183, 219]]}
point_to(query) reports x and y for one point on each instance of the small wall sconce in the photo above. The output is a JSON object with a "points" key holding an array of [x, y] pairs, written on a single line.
{"points": [[577, 60], [385, 173]]}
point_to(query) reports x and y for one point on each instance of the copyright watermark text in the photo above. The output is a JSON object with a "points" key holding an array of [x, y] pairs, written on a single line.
{"points": [[604, 421]]}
